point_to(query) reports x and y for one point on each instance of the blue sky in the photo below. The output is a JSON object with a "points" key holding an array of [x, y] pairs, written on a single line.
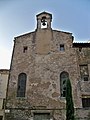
{"points": [[19, 16]]}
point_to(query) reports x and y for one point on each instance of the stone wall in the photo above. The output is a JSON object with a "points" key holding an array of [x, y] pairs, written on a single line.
{"points": [[3, 88], [82, 114], [55, 114], [29, 114]]}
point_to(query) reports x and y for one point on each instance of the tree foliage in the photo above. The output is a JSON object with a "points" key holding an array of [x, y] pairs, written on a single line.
{"points": [[69, 102]]}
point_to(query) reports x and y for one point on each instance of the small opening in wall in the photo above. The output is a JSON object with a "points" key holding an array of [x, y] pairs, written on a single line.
{"points": [[25, 49], [84, 72], [86, 102], [62, 47], [80, 49], [1, 117], [86, 78], [41, 116]]}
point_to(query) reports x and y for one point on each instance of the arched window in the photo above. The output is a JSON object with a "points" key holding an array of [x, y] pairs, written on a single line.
{"points": [[21, 88], [63, 78]]}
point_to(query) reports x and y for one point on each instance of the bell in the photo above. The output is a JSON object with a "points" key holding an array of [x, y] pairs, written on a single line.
{"points": [[43, 23]]}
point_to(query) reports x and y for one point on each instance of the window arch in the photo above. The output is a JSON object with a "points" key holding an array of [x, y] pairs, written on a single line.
{"points": [[63, 78], [21, 88]]}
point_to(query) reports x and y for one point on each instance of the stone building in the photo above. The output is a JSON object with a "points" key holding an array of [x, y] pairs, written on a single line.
{"points": [[3, 87], [41, 63]]}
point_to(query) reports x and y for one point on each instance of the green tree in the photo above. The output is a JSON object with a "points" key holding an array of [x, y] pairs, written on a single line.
{"points": [[69, 102]]}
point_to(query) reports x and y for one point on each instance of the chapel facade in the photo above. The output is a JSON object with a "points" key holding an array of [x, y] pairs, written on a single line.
{"points": [[41, 63]]}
